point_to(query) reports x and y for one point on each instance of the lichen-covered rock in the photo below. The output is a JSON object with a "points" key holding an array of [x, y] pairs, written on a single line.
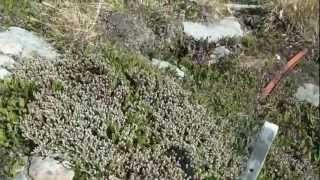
{"points": [[127, 31], [126, 122]]}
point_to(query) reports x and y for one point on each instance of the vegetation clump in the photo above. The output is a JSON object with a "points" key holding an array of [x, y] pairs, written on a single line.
{"points": [[110, 114], [14, 94]]}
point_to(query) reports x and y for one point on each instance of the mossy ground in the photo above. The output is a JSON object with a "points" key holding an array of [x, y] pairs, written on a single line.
{"points": [[226, 90]]}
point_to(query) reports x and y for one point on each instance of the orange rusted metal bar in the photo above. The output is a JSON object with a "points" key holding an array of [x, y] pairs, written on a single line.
{"points": [[287, 68]]}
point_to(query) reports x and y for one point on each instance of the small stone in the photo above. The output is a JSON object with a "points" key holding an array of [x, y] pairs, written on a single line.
{"points": [[164, 64], [309, 93], [221, 52], [49, 169], [213, 59]]}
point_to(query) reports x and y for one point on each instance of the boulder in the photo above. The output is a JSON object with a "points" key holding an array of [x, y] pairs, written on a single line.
{"points": [[127, 31], [21, 43], [17, 44]]}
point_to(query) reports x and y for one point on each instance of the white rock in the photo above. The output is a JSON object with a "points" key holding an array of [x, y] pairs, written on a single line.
{"points": [[164, 64], [48, 169], [6, 61], [4, 73], [226, 27], [238, 7], [22, 43], [308, 92], [9, 46]]}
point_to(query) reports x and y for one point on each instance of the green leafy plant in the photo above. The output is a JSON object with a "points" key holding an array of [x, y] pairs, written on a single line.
{"points": [[14, 94]]}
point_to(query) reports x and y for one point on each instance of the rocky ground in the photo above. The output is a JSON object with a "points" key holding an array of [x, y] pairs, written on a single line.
{"points": [[145, 90]]}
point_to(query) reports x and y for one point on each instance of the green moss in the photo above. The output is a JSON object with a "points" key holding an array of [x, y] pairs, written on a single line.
{"points": [[225, 89], [18, 12]]}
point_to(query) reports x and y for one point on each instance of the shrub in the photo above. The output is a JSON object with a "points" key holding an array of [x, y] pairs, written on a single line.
{"points": [[14, 95], [114, 115]]}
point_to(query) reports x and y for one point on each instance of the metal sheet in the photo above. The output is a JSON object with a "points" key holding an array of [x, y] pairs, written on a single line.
{"points": [[260, 150]]}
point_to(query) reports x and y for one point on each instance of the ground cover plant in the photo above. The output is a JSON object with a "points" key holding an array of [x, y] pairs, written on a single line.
{"points": [[112, 114]]}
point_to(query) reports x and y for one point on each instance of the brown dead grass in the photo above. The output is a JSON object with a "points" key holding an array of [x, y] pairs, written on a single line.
{"points": [[72, 18]]}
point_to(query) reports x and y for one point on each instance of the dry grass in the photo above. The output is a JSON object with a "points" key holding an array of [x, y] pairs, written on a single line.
{"points": [[71, 18], [300, 15]]}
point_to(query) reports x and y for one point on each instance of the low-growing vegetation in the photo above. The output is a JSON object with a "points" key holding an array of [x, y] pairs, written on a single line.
{"points": [[14, 96], [104, 108]]}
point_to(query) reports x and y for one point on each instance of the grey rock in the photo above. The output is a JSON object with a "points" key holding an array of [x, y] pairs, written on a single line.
{"points": [[49, 169], [226, 27], [127, 31], [40, 168], [21, 43], [308, 92], [221, 52]]}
